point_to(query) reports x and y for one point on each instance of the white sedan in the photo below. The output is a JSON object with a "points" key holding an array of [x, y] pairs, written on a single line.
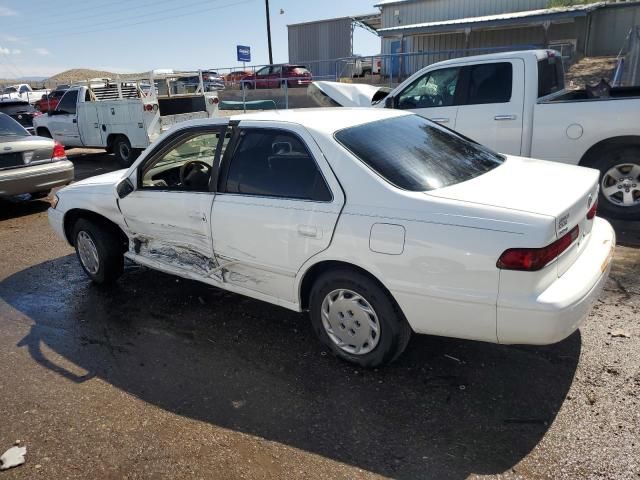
{"points": [[380, 223]]}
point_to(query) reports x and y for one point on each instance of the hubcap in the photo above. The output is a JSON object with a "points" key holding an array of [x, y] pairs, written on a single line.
{"points": [[350, 322], [88, 252], [621, 185]]}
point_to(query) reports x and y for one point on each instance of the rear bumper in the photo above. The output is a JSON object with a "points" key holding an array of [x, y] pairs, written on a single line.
{"points": [[36, 178], [558, 311]]}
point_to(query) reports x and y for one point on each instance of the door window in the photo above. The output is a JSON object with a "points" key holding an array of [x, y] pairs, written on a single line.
{"points": [[490, 83], [68, 102], [435, 89], [263, 71], [187, 166], [275, 163]]}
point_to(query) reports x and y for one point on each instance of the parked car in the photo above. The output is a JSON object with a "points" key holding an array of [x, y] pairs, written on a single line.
{"points": [[378, 222], [276, 76], [22, 112], [211, 80], [22, 91], [235, 76], [50, 101], [30, 164], [515, 102]]}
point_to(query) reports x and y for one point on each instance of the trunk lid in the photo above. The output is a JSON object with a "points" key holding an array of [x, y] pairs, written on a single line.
{"points": [[22, 151], [564, 192]]}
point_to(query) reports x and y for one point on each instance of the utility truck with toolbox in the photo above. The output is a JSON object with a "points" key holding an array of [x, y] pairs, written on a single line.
{"points": [[516, 103], [124, 116]]}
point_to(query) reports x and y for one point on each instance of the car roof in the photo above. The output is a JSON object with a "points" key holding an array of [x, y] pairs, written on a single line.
{"points": [[326, 120], [539, 54]]}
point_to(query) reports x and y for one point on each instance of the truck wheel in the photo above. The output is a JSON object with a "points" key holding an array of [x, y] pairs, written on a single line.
{"points": [[43, 132], [123, 151], [99, 251], [619, 182], [356, 319]]}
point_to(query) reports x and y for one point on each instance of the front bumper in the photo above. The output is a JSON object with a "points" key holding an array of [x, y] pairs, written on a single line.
{"points": [[558, 311], [35, 178], [56, 221]]}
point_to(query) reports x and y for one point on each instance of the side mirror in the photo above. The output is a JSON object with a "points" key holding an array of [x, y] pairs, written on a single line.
{"points": [[389, 102], [124, 188]]}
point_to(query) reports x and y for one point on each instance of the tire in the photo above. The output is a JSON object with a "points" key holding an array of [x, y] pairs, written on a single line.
{"points": [[375, 306], [39, 195], [43, 132], [616, 164], [108, 264], [123, 151]]}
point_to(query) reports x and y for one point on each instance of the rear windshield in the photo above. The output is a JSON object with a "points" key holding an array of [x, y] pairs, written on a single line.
{"points": [[9, 127], [550, 76], [412, 153]]}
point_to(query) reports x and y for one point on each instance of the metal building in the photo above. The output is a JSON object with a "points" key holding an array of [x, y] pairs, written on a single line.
{"points": [[318, 44]]}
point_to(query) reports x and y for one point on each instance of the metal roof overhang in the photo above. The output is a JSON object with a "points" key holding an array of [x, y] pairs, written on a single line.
{"points": [[371, 21], [516, 19]]}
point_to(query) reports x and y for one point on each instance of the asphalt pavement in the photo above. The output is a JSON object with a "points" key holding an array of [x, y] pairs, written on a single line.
{"points": [[160, 377]]}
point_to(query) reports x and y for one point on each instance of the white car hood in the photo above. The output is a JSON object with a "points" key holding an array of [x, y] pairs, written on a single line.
{"points": [[348, 94], [106, 179]]}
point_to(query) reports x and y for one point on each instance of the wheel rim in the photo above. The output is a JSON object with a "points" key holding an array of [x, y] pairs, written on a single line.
{"points": [[350, 322], [124, 150], [621, 185], [88, 252]]}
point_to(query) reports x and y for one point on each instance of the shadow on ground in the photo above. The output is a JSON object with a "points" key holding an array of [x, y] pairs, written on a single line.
{"points": [[446, 409]]}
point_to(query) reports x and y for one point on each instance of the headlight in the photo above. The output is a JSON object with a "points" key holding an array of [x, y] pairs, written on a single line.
{"points": [[54, 201]]}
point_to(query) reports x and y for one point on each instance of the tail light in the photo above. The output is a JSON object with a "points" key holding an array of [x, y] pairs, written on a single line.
{"points": [[148, 107], [58, 152], [534, 259], [592, 211], [214, 101]]}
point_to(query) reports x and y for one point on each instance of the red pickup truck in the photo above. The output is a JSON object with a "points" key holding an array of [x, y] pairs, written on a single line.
{"points": [[50, 101]]}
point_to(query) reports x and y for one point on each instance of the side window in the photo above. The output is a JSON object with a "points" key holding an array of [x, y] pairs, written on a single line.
{"points": [[24, 89], [435, 89], [275, 163], [263, 71], [276, 70], [187, 166], [68, 102], [490, 83]]}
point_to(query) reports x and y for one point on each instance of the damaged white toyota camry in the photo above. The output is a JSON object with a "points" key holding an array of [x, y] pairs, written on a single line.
{"points": [[378, 222]]}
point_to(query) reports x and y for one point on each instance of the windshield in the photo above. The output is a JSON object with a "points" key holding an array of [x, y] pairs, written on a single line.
{"points": [[412, 153], [10, 128]]}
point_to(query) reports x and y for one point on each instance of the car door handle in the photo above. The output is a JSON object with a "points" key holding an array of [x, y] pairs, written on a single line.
{"points": [[308, 231], [75, 120], [440, 119], [505, 117], [198, 216]]}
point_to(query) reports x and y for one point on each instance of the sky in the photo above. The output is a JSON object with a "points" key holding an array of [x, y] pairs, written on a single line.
{"points": [[40, 38]]}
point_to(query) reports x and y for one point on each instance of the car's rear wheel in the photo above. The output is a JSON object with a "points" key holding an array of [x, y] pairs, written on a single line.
{"points": [[619, 182], [99, 250], [356, 318], [125, 154]]}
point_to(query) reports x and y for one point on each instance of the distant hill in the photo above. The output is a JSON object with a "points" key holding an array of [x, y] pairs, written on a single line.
{"points": [[79, 74]]}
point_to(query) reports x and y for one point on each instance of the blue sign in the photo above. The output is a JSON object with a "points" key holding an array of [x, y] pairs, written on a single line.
{"points": [[244, 53]]}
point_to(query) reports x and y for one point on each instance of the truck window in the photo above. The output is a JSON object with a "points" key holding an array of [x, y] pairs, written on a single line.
{"points": [[68, 102], [414, 154], [434, 89], [550, 76], [489, 83]]}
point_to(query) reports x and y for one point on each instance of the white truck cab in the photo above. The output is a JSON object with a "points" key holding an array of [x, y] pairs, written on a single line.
{"points": [[123, 116]]}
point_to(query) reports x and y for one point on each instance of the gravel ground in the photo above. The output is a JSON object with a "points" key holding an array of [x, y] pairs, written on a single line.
{"points": [[159, 377]]}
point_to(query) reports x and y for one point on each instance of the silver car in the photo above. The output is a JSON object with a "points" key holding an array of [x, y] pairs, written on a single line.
{"points": [[30, 164]]}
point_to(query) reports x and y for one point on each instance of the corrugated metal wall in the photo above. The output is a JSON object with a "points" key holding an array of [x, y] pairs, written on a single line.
{"points": [[435, 10], [609, 28], [320, 41]]}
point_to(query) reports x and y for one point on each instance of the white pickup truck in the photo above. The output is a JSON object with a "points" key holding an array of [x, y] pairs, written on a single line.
{"points": [[22, 91], [123, 117], [515, 103]]}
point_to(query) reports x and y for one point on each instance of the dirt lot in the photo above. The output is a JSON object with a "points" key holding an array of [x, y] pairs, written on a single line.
{"points": [[160, 377]]}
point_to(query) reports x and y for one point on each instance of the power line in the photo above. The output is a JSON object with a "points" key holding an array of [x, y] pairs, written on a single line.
{"points": [[147, 20], [66, 12]]}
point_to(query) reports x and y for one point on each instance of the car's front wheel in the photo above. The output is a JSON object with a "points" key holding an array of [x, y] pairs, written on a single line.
{"points": [[356, 318], [99, 250]]}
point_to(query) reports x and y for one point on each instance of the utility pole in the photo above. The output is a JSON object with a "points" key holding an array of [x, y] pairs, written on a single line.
{"points": [[266, 2]]}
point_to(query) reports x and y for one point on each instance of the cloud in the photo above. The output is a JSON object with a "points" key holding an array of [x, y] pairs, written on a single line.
{"points": [[7, 51], [42, 51], [7, 12], [16, 51]]}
